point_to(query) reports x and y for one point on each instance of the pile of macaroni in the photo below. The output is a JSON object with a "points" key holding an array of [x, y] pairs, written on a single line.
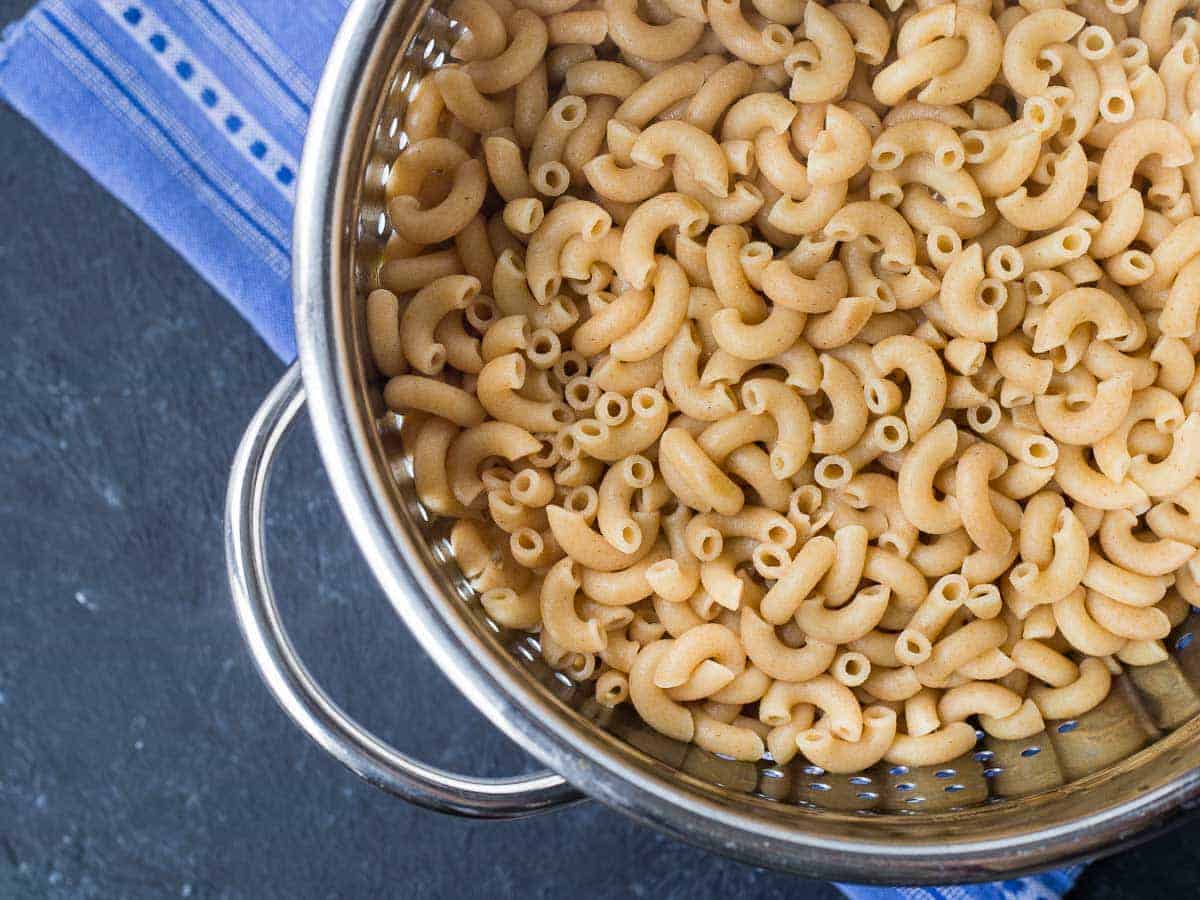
{"points": [[818, 379]]}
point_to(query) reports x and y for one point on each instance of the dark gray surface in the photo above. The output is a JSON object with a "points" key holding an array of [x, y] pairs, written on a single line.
{"points": [[139, 754]]}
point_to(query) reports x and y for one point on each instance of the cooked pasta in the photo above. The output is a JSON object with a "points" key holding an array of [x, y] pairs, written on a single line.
{"points": [[818, 380]]}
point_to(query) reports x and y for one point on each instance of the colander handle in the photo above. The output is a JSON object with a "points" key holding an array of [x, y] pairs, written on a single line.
{"points": [[290, 681]]}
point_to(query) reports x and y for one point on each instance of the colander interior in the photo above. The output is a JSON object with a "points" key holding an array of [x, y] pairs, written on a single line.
{"points": [[1138, 740]]}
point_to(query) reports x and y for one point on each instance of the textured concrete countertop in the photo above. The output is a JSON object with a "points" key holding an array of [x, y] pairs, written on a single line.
{"points": [[140, 756]]}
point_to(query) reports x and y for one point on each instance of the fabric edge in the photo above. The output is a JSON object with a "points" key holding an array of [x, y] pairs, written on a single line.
{"points": [[13, 32]]}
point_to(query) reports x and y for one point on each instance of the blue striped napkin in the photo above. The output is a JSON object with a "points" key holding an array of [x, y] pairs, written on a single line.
{"points": [[192, 112]]}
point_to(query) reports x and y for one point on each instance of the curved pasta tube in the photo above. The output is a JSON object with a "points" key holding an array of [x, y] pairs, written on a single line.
{"points": [[850, 557], [698, 149], [485, 35], [656, 43], [497, 388], [948, 742], [878, 491], [420, 160], [892, 84], [810, 214], [1070, 310], [868, 29], [678, 577], [615, 497], [1151, 558], [834, 754], [525, 50], [980, 463], [844, 392], [892, 684], [806, 570], [925, 213], [575, 217], [713, 647], [1054, 205], [466, 103], [819, 294], [915, 481], [730, 739], [611, 317], [1175, 472], [1080, 630], [592, 262], [626, 587], [560, 618], [1064, 573], [625, 184], [589, 549], [660, 93], [1091, 423], [406, 393], [848, 623], [1019, 366], [462, 349], [841, 149], [383, 332], [1122, 585], [842, 713], [1016, 162], [1024, 723], [433, 484], [1122, 219], [1082, 483], [977, 698], [882, 225], [519, 610], [723, 256], [1025, 42], [960, 647], [906, 139], [831, 73], [422, 315], [959, 190], [602, 76], [755, 113], [657, 709], [643, 229], [1182, 310], [609, 443], [1135, 142], [1076, 698], [1147, 623], [743, 40], [794, 427], [926, 379], [741, 204], [778, 165], [705, 533], [667, 313], [759, 341], [980, 65], [695, 478], [720, 90], [959, 299], [777, 659], [683, 384]]}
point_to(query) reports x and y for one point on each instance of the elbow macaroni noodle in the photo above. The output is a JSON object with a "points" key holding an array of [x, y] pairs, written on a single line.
{"points": [[816, 379]]}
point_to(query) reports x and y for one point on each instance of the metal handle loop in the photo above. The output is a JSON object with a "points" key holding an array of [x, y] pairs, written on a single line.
{"points": [[289, 680]]}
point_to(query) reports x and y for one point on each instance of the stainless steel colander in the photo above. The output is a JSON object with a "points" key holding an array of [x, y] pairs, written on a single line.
{"points": [[1081, 788]]}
